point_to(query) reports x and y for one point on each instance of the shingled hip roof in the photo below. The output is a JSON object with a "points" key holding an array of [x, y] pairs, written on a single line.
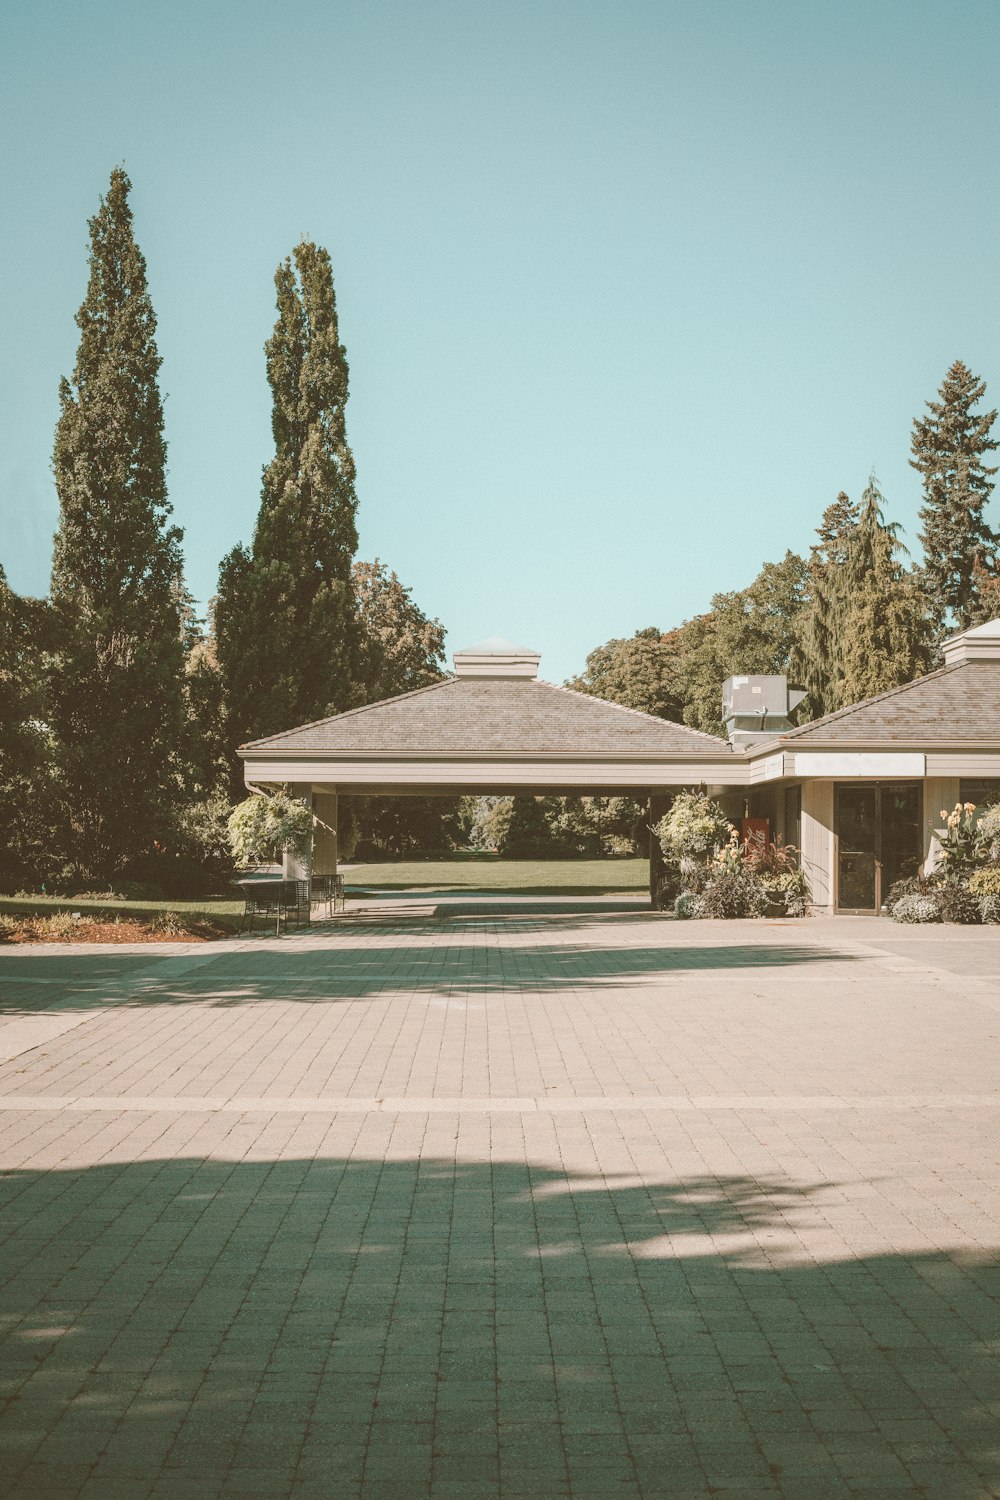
{"points": [[958, 704], [495, 715]]}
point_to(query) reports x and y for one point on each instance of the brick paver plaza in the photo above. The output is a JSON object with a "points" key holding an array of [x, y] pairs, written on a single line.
{"points": [[504, 1202]]}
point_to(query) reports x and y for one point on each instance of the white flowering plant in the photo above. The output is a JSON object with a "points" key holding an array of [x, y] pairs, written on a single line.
{"points": [[264, 827]]}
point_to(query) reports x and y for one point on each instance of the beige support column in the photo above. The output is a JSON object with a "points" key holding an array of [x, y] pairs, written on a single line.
{"points": [[325, 833], [939, 792], [657, 807], [818, 842], [299, 866]]}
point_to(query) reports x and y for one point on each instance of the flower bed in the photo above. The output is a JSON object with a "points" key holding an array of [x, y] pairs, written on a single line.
{"points": [[709, 872], [965, 886], [63, 927]]}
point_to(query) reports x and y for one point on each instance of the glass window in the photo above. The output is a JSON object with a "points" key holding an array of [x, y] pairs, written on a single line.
{"points": [[793, 817], [982, 793]]}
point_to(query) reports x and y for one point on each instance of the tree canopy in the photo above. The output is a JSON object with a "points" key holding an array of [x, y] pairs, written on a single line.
{"points": [[638, 671]]}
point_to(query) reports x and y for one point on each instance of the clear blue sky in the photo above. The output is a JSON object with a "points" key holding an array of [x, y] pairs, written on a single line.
{"points": [[629, 291]]}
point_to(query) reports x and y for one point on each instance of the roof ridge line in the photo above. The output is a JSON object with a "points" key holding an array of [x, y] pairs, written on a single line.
{"points": [[640, 713], [349, 713], [850, 708]]}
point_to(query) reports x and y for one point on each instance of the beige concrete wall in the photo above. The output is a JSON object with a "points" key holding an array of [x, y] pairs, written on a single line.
{"points": [[325, 833], [939, 792], [817, 841], [297, 867]]}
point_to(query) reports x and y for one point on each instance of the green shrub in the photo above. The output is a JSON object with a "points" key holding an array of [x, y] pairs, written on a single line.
{"points": [[61, 925], [789, 890], [734, 893], [985, 882], [168, 924], [689, 904], [910, 885], [914, 907], [671, 883], [958, 904]]}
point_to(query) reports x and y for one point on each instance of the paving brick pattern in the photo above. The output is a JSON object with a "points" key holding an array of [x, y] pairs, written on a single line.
{"points": [[560, 1203]]}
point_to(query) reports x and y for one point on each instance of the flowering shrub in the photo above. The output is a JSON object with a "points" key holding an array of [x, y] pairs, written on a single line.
{"points": [[988, 834], [263, 828], [958, 838], [710, 872], [965, 886], [989, 908], [694, 827], [915, 907]]}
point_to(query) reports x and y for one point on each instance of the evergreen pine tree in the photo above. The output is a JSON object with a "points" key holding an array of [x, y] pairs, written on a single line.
{"points": [[115, 705], [816, 664], [883, 627], [948, 447], [285, 619]]}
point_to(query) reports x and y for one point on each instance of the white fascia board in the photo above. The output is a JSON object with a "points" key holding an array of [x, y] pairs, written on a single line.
{"points": [[767, 767], [859, 763], [464, 771]]}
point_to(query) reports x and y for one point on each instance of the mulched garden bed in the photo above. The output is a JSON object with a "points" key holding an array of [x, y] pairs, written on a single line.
{"points": [[26, 929]]}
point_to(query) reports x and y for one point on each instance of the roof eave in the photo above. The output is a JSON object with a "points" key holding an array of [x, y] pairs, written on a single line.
{"points": [[269, 752]]}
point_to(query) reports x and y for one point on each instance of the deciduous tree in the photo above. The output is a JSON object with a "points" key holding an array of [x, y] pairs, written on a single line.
{"points": [[749, 630], [637, 671], [400, 648]]}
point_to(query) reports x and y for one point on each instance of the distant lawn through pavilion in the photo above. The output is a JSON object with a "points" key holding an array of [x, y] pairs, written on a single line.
{"points": [[484, 874], [481, 874]]}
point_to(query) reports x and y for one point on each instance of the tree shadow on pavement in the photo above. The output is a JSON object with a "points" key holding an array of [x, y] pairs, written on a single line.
{"points": [[392, 1328], [344, 971]]}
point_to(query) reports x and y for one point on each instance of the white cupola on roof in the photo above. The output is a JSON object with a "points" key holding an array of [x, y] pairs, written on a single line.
{"points": [[981, 643], [496, 658]]}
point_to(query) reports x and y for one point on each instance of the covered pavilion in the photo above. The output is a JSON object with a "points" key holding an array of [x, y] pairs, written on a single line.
{"points": [[492, 729], [859, 792]]}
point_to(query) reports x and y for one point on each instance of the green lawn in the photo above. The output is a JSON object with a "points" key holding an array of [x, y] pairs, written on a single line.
{"points": [[538, 877], [227, 910], [532, 877]]}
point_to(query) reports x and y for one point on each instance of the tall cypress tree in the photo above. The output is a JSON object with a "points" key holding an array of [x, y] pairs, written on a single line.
{"points": [[884, 632], [285, 618], [949, 446], [115, 704]]}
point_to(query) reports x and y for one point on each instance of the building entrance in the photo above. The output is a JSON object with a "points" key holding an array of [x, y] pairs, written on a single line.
{"points": [[879, 833]]}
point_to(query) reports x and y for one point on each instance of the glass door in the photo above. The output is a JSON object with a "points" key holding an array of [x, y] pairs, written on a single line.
{"points": [[856, 829], [879, 839], [901, 833]]}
